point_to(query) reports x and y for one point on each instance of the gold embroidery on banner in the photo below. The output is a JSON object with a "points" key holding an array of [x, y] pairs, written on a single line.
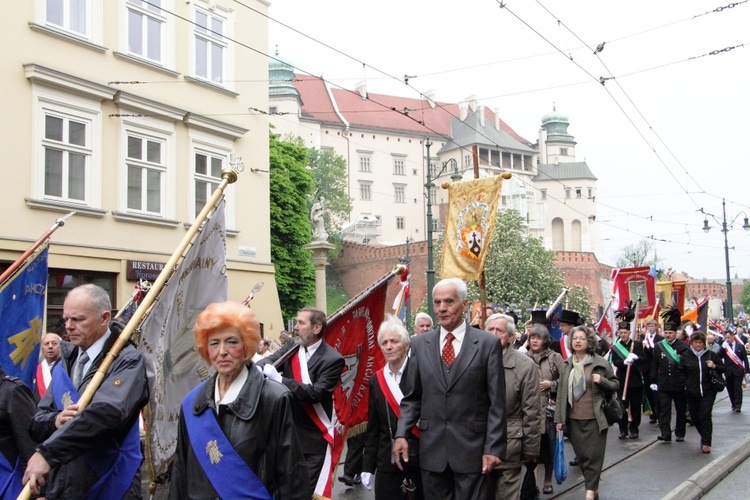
{"points": [[66, 399], [213, 452]]}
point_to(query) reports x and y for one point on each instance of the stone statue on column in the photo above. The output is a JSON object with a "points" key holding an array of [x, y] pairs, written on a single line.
{"points": [[318, 222]]}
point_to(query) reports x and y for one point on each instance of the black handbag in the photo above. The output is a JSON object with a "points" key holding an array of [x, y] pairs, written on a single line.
{"points": [[717, 381], [612, 408]]}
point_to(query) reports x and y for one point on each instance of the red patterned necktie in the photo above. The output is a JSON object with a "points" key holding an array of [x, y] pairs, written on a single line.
{"points": [[449, 355]]}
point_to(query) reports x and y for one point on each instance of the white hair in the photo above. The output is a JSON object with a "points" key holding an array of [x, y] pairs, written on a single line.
{"points": [[422, 315], [460, 285], [510, 323], [391, 324]]}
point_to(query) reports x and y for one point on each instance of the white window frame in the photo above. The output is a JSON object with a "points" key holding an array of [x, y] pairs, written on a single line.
{"points": [[365, 163], [213, 145], [568, 193], [365, 191], [163, 132], [399, 165], [400, 222], [213, 9], [399, 193], [92, 25], [167, 31], [78, 108]]}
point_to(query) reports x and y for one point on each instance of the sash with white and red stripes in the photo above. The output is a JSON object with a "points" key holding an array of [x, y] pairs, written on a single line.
{"points": [[41, 387], [565, 350], [735, 359], [393, 395], [318, 415]]}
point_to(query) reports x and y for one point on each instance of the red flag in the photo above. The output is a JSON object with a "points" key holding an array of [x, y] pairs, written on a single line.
{"points": [[632, 282], [352, 331]]}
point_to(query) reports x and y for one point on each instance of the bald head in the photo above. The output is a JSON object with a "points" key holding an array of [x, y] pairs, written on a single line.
{"points": [[51, 347]]}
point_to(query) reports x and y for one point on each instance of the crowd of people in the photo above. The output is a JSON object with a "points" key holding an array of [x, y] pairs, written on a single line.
{"points": [[456, 412]]}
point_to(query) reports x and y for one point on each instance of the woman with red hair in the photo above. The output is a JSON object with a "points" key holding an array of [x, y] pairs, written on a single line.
{"points": [[237, 419]]}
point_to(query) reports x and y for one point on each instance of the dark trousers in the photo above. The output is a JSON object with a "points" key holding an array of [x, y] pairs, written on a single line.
{"points": [[633, 400], [388, 484], [449, 485], [700, 412], [589, 445], [313, 464], [653, 401], [355, 449], [666, 398], [734, 389]]}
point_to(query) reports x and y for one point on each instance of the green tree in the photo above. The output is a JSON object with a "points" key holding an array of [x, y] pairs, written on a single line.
{"points": [[329, 172], [745, 298], [520, 271], [290, 185], [637, 255]]}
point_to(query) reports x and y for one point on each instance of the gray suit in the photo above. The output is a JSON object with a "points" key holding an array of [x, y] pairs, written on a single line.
{"points": [[461, 411]]}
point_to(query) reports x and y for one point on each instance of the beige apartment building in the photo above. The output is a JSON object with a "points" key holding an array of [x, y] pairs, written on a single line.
{"points": [[384, 139], [126, 111]]}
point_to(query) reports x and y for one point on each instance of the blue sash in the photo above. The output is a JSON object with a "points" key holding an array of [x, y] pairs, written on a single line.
{"points": [[10, 478], [230, 476], [115, 467]]}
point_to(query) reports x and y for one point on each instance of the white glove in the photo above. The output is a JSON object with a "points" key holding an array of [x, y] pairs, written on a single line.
{"points": [[654, 387], [366, 478], [271, 372], [631, 357]]}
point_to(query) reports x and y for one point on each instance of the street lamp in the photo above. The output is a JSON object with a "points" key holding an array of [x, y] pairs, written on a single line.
{"points": [[429, 185], [725, 230]]}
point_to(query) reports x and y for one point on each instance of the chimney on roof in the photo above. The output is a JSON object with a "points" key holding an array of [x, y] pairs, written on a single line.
{"points": [[497, 118], [481, 115], [472, 100], [361, 87], [430, 96], [463, 109]]}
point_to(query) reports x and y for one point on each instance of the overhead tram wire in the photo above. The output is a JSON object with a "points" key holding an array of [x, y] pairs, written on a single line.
{"points": [[384, 106]]}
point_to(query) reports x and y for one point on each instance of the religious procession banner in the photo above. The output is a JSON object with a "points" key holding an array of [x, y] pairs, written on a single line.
{"points": [[22, 304], [472, 213], [173, 365], [631, 283], [353, 332], [671, 293]]}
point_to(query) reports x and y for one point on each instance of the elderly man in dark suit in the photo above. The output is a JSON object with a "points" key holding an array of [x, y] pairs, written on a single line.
{"points": [[323, 367], [455, 390]]}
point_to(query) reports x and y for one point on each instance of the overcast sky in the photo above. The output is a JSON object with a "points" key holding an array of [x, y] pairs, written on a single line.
{"points": [[667, 136]]}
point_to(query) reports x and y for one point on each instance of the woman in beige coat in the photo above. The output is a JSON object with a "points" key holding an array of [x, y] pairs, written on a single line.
{"points": [[584, 379]]}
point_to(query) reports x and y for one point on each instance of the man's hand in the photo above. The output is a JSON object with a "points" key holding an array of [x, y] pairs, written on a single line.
{"points": [[69, 412], [271, 372], [400, 450], [36, 472], [545, 384], [489, 462]]}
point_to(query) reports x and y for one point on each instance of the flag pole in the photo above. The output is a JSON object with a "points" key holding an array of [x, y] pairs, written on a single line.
{"points": [[557, 301], [19, 261], [228, 176]]}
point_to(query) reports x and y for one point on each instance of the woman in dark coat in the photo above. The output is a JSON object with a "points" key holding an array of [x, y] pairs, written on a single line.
{"points": [[696, 364], [236, 419], [385, 396]]}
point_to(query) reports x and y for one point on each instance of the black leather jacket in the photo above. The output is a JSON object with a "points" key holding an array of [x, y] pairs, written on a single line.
{"points": [[260, 427]]}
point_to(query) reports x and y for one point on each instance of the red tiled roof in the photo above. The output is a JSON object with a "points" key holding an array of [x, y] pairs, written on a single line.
{"points": [[381, 111]]}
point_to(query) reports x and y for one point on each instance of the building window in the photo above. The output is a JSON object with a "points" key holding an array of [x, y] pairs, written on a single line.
{"points": [[433, 196], [364, 191], [69, 15], [60, 282], [590, 192], [399, 194], [67, 156], [579, 193], [273, 110], [504, 200], [467, 161], [146, 25], [400, 222], [398, 166], [567, 193], [207, 177], [210, 46], [365, 163], [433, 170], [543, 193], [435, 225], [146, 172], [564, 151]]}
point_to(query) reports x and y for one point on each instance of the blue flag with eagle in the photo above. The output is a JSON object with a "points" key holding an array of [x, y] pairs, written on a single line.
{"points": [[22, 303]]}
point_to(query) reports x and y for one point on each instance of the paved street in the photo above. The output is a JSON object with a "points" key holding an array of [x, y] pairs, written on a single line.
{"points": [[644, 468]]}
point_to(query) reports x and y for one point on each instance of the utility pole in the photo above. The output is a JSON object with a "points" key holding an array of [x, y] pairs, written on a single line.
{"points": [[430, 270]]}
